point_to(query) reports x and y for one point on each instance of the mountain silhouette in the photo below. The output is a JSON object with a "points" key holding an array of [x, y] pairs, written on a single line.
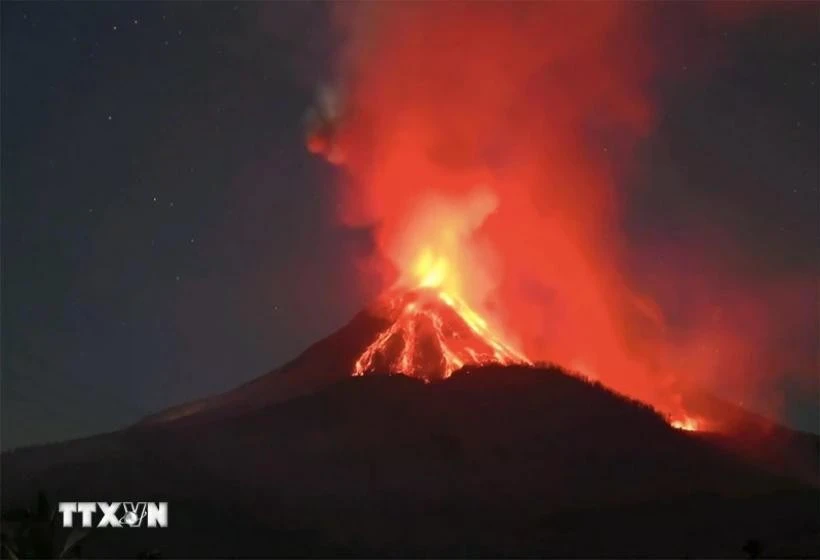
{"points": [[495, 460]]}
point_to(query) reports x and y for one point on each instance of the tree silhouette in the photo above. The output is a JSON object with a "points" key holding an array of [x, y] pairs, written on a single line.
{"points": [[36, 534]]}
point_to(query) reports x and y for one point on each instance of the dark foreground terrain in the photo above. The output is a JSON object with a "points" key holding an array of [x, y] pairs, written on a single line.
{"points": [[498, 462]]}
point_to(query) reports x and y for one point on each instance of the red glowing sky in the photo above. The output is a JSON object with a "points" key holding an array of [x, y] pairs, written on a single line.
{"points": [[539, 108]]}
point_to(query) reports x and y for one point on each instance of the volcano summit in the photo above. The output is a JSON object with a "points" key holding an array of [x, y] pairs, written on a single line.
{"points": [[431, 334]]}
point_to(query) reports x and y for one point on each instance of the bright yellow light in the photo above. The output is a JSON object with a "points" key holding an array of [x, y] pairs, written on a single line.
{"points": [[430, 270], [687, 424]]}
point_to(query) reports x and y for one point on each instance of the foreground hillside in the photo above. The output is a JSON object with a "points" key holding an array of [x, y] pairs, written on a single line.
{"points": [[508, 461]]}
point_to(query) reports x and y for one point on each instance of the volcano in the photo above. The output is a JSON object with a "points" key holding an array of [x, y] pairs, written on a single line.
{"points": [[430, 335], [313, 460]]}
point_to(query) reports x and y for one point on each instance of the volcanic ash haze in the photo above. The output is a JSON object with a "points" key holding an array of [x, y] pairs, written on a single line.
{"points": [[485, 146]]}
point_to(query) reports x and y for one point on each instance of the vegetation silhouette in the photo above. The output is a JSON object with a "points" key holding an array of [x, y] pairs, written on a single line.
{"points": [[524, 461], [38, 533]]}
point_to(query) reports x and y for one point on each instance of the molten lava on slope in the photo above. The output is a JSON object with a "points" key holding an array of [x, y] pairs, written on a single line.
{"points": [[432, 334]]}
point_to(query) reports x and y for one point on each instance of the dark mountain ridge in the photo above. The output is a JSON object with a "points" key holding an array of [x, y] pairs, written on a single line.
{"points": [[494, 461]]}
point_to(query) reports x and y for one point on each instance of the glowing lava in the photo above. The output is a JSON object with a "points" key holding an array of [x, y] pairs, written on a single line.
{"points": [[687, 424], [433, 331]]}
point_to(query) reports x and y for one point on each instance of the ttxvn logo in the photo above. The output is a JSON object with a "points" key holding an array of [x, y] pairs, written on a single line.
{"points": [[116, 514]]}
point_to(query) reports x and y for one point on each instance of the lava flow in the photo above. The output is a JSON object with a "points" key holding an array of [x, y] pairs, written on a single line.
{"points": [[432, 331]]}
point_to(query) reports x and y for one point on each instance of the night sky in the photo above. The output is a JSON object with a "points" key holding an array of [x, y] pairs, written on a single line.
{"points": [[165, 235]]}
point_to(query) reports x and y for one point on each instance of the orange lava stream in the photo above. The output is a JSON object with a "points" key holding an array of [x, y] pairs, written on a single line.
{"points": [[433, 330], [454, 345]]}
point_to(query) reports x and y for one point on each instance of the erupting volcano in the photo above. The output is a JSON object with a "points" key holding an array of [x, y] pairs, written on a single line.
{"points": [[433, 331], [500, 190], [431, 335]]}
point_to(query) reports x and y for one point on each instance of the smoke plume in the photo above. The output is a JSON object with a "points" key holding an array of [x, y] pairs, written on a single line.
{"points": [[513, 125]]}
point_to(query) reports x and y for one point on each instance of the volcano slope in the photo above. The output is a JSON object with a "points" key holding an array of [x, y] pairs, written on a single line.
{"points": [[493, 461]]}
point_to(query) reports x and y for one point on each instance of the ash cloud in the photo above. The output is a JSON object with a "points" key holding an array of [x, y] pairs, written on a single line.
{"points": [[546, 103]]}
